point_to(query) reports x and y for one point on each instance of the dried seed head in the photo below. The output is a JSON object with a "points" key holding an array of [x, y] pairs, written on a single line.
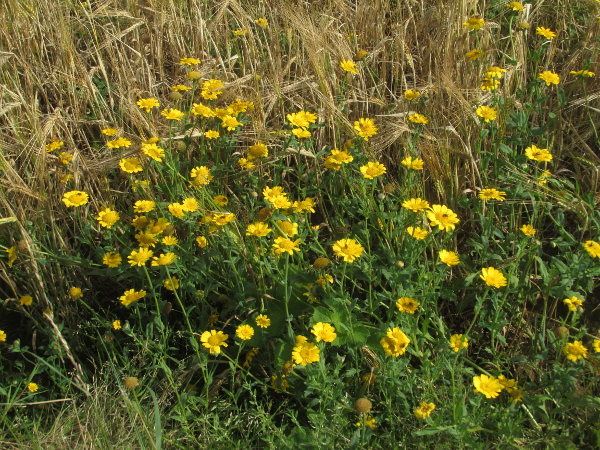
{"points": [[362, 405], [131, 382], [562, 332]]}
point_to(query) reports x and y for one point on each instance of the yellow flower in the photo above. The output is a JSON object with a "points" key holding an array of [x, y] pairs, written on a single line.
{"points": [[11, 253], [301, 133], [583, 73], [65, 158], [324, 279], [458, 342], [220, 200], [32, 387], [336, 158], [262, 22], [146, 239], [171, 284], [258, 229], [490, 84], [143, 206], [488, 386], [131, 296], [198, 109], [575, 351], [301, 119], [75, 293], [131, 165], [201, 241], [348, 66], [348, 249], [190, 204], [140, 256], [474, 23], [538, 154], [417, 232], [443, 217], [449, 258], [494, 72], [367, 421], [289, 229], [516, 6], [546, 32], [107, 217], [75, 198], [418, 118], [366, 128], [112, 259], [528, 230], [189, 61], [230, 122], [263, 321], [596, 345], [474, 54], [153, 151], [549, 77], [200, 176], [486, 113], [55, 145], [407, 304], [244, 332], [360, 55], [395, 342], [493, 277], [258, 150], [491, 194], [117, 325], [172, 114], [170, 240], [2, 336], [164, 259], [240, 32], [372, 170], [411, 95], [593, 248], [26, 300], [284, 245], [118, 143], [424, 410], [213, 340], [574, 303], [305, 353], [412, 163], [66, 178], [177, 210], [180, 88], [415, 204], [324, 332], [147, 103]]}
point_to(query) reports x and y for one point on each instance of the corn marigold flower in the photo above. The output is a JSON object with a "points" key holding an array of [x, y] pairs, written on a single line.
{"points": [[366, 128], [177, 210], [141, 206], [164, 259], [65, 158], [180, 88], [516, 6], [11, 253], [213, 340], [200, 176], [349, 66], [306, 205], [262, 22], [258, 150], [549, 77], [412, 163], [361, 54], [490, 84], [68, 177], [407, 305], [258, 229], [593, 248], [170, 240], [583, 73], [244, 332], [263, 321], [190, 204], [107, 217], [449, 258], [488, 386], [198, 109], [280, 202], [538, 154], [417, 232], [458, 342], [474, 23], [574, 303], [212, 85], [171, 284], [147, 103], [305, 353], [301, 119], [474, 54], [596, 345], [301, 133], [492, 194], [528, 230], [348, 249], [289, 229], [189, 61], [367, 421], [336, 158], [418, 118], [285, 245], [32, 387], [424, 410], [119, 142], [55, 145], [112, 259], [415, 204], [372, 170], [493, 277], [131, 296], [575, 351], [172, 114], [75, 293], [486, 113], [220, 200], [201, 241], [546, 32], [139, 257], [2, 336], [411, 94], [75, 198], [395, 342], [230, 122], [131, 165], [240, 32], [495, 72], [117, 325], [443, 217], [324, 332], [26, 300], [153, 151]]}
